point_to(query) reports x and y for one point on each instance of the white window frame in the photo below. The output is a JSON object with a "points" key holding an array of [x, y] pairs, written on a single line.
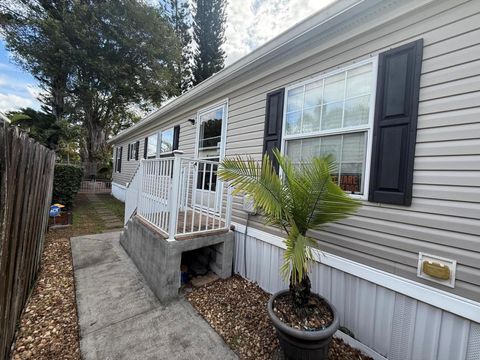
{"points": [[159, 142], [157, 134], [118, 159], [223, 139], [223, 143], [367, 127], [132, 146]]}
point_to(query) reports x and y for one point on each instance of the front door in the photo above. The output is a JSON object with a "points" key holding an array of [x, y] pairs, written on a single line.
{"points": [[211, 134]]}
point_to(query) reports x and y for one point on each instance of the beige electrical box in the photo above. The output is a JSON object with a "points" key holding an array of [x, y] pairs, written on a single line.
{"points": [[437, 269]]}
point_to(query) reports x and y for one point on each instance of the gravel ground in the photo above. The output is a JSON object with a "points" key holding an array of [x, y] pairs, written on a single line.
{"points": [[49, 325], [236, 309], [48, 328]]}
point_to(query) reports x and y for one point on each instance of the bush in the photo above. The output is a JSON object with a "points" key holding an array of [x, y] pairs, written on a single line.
{"points": [[66, 183]]}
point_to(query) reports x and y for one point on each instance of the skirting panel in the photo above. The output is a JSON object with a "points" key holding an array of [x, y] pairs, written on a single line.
{"points": [[394, 325], [118, 191]]}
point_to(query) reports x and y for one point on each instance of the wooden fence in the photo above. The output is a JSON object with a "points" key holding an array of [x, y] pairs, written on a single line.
{"points": [[26, 180]]}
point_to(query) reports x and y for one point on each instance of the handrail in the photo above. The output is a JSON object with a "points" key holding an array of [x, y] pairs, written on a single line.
{"points": [[131, 194], [179, 196], [134, 173]]}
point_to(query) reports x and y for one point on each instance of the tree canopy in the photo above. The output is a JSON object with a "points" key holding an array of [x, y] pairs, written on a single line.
{"points": [[209, 34], [97, 60], [58, 135], [180, 18]]}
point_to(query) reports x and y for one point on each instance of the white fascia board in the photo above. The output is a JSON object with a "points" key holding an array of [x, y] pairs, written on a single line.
{"points": [[455, 304]]}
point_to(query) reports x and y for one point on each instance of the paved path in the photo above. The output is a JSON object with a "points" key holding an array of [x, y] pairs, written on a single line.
{"points": [[110, 220], [120, 318]]}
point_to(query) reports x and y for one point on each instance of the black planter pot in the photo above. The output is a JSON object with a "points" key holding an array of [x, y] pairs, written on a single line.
{"points": [[299, 344]]}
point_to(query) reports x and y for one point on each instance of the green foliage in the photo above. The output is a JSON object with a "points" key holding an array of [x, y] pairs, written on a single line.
{"points": [[96, 59], [58, 135], [40, 126], [179, 17], [304, 198], [209, 34], [66, 183]]}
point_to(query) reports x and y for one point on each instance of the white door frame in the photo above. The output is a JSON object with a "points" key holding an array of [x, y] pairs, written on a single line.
{"points": [[223, 141]]}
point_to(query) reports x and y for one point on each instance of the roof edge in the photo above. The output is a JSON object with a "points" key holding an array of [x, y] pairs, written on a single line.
{"points": [[243, 64]]}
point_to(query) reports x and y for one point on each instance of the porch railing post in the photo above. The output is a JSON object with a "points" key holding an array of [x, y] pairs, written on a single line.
{"points": [[173, 199], [228, 215], [139, 186]]}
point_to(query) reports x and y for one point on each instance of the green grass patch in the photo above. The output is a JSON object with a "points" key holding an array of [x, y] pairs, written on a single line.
{"points": [[115, 206]]}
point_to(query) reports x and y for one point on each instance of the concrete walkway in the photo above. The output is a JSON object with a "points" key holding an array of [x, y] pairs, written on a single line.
{"points": [[120, 318]]}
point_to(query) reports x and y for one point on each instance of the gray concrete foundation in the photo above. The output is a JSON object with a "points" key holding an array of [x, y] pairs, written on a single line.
{"points": [[159, 260]]}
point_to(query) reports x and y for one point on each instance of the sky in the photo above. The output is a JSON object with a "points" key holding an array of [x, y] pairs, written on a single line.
{"points": [[250, 23], [17, 87]]}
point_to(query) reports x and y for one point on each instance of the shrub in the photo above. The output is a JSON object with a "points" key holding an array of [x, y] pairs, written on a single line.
{"points": [[66, 183]]}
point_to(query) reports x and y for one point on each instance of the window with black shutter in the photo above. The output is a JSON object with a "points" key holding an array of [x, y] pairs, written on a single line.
{"points": [[395, 125], [119, 159], [273, 123], [176, 137], [115, 154], [145, 148]]}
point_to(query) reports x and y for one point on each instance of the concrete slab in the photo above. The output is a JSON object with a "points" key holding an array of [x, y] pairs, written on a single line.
{"points": [[94, 251], [109, 293], [120, 317], [174, 331], [104, 211], [108, 217], [113, 225]]}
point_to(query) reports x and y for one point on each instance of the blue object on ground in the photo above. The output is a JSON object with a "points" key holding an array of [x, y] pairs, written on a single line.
{"points": [[54, 211]]}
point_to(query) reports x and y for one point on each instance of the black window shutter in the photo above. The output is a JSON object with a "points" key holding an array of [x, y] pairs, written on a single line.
{"points": [[129, 148], [115, 157], [176, 137], [273, 124], [145, 148], [395, 126], [119, 168], [137, 149]]}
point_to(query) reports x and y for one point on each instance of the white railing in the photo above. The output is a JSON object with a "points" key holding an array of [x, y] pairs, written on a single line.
{"points": [[179, 196], [131, 194], [155, 192]]}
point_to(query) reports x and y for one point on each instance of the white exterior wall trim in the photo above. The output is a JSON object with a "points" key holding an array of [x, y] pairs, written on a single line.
{"points": [[119, 191], [455, 304], [119, 185]]}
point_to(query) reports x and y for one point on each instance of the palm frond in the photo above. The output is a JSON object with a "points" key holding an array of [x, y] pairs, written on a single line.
{"points": [[302, 199]]}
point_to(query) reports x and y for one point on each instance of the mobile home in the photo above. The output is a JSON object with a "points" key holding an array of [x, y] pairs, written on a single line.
{"points": [[391, 89]]}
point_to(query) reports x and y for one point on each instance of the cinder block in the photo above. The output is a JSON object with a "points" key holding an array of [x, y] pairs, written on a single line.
{"points": [[159, 260]]}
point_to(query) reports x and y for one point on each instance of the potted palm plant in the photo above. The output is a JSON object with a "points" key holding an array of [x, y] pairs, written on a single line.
{"points": [[302, 198]]}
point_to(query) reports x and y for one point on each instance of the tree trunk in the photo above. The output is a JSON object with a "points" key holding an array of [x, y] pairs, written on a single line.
{"points": [[300, 292], [95, 140], [58, 92]]}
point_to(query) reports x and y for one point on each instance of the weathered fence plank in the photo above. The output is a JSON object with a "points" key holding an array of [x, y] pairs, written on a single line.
{"points": [[26, 180]]}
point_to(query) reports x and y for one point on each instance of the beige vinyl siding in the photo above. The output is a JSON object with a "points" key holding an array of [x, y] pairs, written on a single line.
{"points": [[186, 144], [444, 218]]}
